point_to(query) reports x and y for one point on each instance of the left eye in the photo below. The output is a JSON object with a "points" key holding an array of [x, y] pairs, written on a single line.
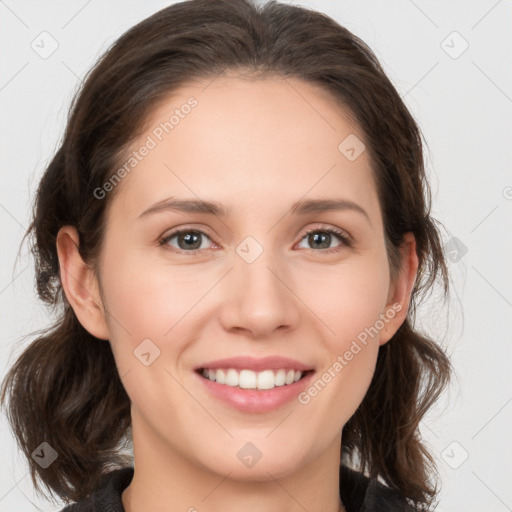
{"points": [[188, 239]]}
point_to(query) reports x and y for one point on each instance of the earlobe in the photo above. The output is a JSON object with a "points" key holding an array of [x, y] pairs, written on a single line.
{"points": [[80, 284], [400, 293]]}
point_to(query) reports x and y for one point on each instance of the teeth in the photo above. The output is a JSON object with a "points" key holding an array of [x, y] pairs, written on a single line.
{"points": [[248, 379]]}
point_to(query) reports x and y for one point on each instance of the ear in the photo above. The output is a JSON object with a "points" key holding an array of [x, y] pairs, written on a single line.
{"points": [[400, 290], [80, 284]]}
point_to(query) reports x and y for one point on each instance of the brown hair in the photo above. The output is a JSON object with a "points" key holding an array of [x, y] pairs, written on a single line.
{"points": [[64, 388]]}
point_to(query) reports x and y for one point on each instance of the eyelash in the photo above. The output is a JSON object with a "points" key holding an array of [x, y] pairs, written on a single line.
{"points": [[342, 235]]}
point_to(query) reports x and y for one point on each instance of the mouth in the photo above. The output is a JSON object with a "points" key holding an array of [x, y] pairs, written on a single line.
{"points": [[254, 384], [254, 380]]}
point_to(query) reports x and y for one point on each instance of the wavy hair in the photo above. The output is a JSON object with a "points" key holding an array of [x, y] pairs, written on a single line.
{"points": [[64, 387]]}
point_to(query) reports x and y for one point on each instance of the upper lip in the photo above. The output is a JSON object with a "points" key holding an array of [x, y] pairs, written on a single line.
{"points": [[256, 364]]}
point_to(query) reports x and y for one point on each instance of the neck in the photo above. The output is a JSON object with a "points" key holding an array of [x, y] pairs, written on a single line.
{"points": [[179, 480]]}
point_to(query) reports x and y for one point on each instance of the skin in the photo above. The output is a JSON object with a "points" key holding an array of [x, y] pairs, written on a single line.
{"points": [[256, 146]]}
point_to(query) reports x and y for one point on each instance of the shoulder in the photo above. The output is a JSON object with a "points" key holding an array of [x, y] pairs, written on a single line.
{"points": [[362, 494], [107, 496]]}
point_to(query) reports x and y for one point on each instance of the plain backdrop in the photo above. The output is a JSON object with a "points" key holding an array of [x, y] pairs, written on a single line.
{"points": [[450, 61]]}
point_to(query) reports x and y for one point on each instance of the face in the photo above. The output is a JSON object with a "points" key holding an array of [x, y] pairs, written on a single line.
{"points": [[272, 273]]}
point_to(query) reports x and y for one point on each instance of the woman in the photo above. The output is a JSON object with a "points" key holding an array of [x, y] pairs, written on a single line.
{"points": [[208, 153]]}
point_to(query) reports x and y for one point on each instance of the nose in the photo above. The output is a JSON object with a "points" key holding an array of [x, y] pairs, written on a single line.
{"points": [[259, 298]]}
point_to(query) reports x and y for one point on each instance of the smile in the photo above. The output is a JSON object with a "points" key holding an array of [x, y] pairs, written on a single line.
{"points": [[249, 379], [251, 391]]}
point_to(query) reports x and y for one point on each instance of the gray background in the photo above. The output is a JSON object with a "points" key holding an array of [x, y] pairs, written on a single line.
{"points": [[462, 100]]}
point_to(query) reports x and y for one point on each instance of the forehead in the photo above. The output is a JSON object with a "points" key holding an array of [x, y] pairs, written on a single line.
{"points": [[247, 141]]}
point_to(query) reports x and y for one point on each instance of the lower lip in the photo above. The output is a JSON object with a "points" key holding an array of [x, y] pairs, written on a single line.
{"points": [[254, 400]]}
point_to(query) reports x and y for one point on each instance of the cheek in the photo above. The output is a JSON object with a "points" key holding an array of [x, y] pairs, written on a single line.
{"points": [[149, 308], [351, 306], [348, 299], [351, 303], [143, 302], [149, 297]]}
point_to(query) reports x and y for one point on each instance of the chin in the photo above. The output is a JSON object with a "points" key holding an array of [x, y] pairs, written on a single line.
{"points": [[250, 464]]}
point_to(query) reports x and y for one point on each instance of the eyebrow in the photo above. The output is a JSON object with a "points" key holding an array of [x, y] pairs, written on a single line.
{"points": [[214, 208]]}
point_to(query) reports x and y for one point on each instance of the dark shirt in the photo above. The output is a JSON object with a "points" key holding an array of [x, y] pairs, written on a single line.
{"points": [[358, 493]]}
